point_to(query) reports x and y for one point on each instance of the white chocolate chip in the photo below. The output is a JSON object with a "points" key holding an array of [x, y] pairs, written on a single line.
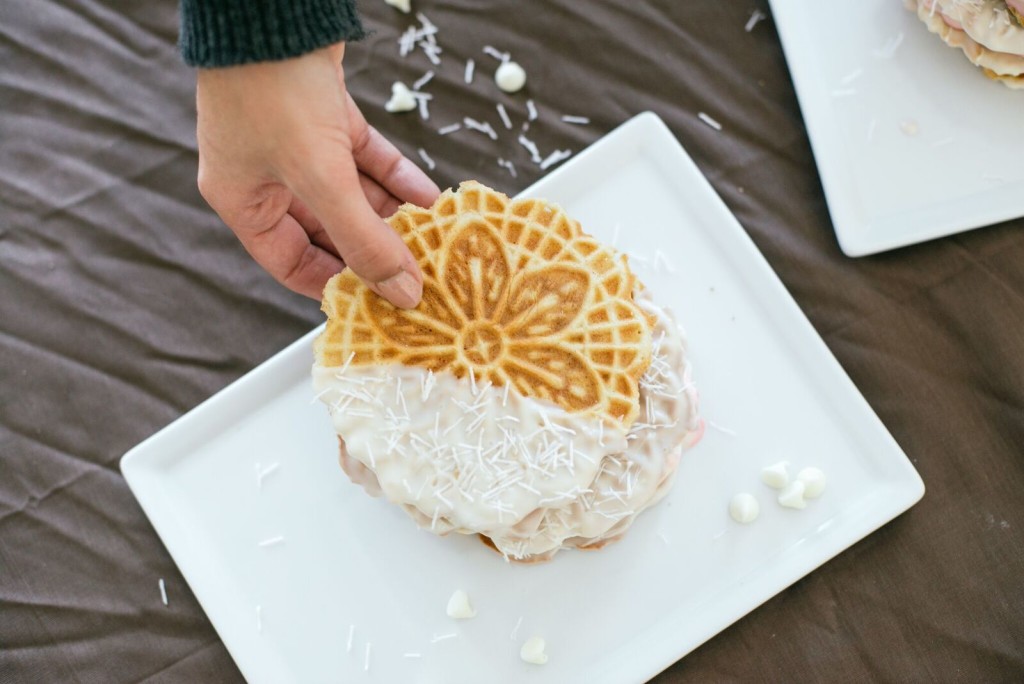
{"points": [[459, 607], [776, 476], [401, 99], [814, 482], [533, 651], [793, 495], [744, 508], [510, 77], [403, 5]]}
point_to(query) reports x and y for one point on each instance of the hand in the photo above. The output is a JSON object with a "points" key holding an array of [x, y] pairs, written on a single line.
{"points": [[291, 166]]}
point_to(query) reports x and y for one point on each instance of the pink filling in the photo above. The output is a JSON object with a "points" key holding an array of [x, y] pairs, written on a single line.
{"points": [[952, 23]]}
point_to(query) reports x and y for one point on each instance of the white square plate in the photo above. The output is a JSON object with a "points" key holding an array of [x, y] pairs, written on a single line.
{"points": [[683, 573], [888, 187]]}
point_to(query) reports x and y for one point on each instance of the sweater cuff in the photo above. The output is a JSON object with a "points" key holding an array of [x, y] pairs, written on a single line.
{"points": [[220, 33]]}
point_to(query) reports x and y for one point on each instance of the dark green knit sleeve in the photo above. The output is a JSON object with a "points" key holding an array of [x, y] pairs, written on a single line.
{"points": [[217, 33]]}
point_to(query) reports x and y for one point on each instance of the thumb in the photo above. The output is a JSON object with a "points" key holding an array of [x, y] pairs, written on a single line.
{"points": [[368, 246]]}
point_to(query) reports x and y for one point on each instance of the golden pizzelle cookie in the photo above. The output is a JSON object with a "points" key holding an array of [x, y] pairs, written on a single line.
{"points": [[514, 293]]}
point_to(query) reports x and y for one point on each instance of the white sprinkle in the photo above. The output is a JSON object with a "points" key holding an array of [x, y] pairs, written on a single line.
{"points": [[163, 591], [716, 426], [259, 619], [528, 488], [851, 77], [407, 41], [515, 630], [600, 432], [470, 65], [843, 92], [269, 469], [496, 53], [532, 148], [472, 382], [504, 395], [441, 637], [450, 128], [504, 116], [351, 634], [426, 159], [319, 394], [943, 142], [424, 112], [400, 5], [480, 126], [662, 258], [554, 158], [890, 47], [531, 111], [451, 427], [412, 655], [508, 166], [423, 80], [709, 121], [755, 17], [369, 451], [366, 658], [428, 385], [431, 51], [440, 495], [580, 120], [428, 26], [871, 128], [433, 521], [271, 541]]}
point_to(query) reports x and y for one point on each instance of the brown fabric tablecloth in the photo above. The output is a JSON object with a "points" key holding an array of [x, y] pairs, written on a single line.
{"points": [[125, 302]]}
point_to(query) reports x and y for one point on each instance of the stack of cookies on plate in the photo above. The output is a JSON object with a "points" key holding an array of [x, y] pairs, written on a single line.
{"points": [[989, 32], [537, 396]]}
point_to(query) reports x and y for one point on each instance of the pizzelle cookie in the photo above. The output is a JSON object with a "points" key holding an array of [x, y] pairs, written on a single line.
{"points": [[534, 368], [514, 293]]}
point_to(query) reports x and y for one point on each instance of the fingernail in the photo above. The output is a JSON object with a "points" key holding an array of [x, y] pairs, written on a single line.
{"points": [[402, 290]]}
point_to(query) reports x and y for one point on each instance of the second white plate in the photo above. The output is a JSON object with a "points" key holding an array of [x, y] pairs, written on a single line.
{"points": [[912, 142], [344, 563]]}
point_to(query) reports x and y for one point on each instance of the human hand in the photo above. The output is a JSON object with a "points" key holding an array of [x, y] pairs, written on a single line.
{"points": [[291, 166]]}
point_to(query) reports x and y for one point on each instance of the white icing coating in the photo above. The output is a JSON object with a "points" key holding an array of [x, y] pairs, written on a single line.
{"points": [[814, 482], [510, 77], [533, 651], [793, 495], [462, 456], [459, 607], [776, 475], [744, 508], [531, 476]]}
